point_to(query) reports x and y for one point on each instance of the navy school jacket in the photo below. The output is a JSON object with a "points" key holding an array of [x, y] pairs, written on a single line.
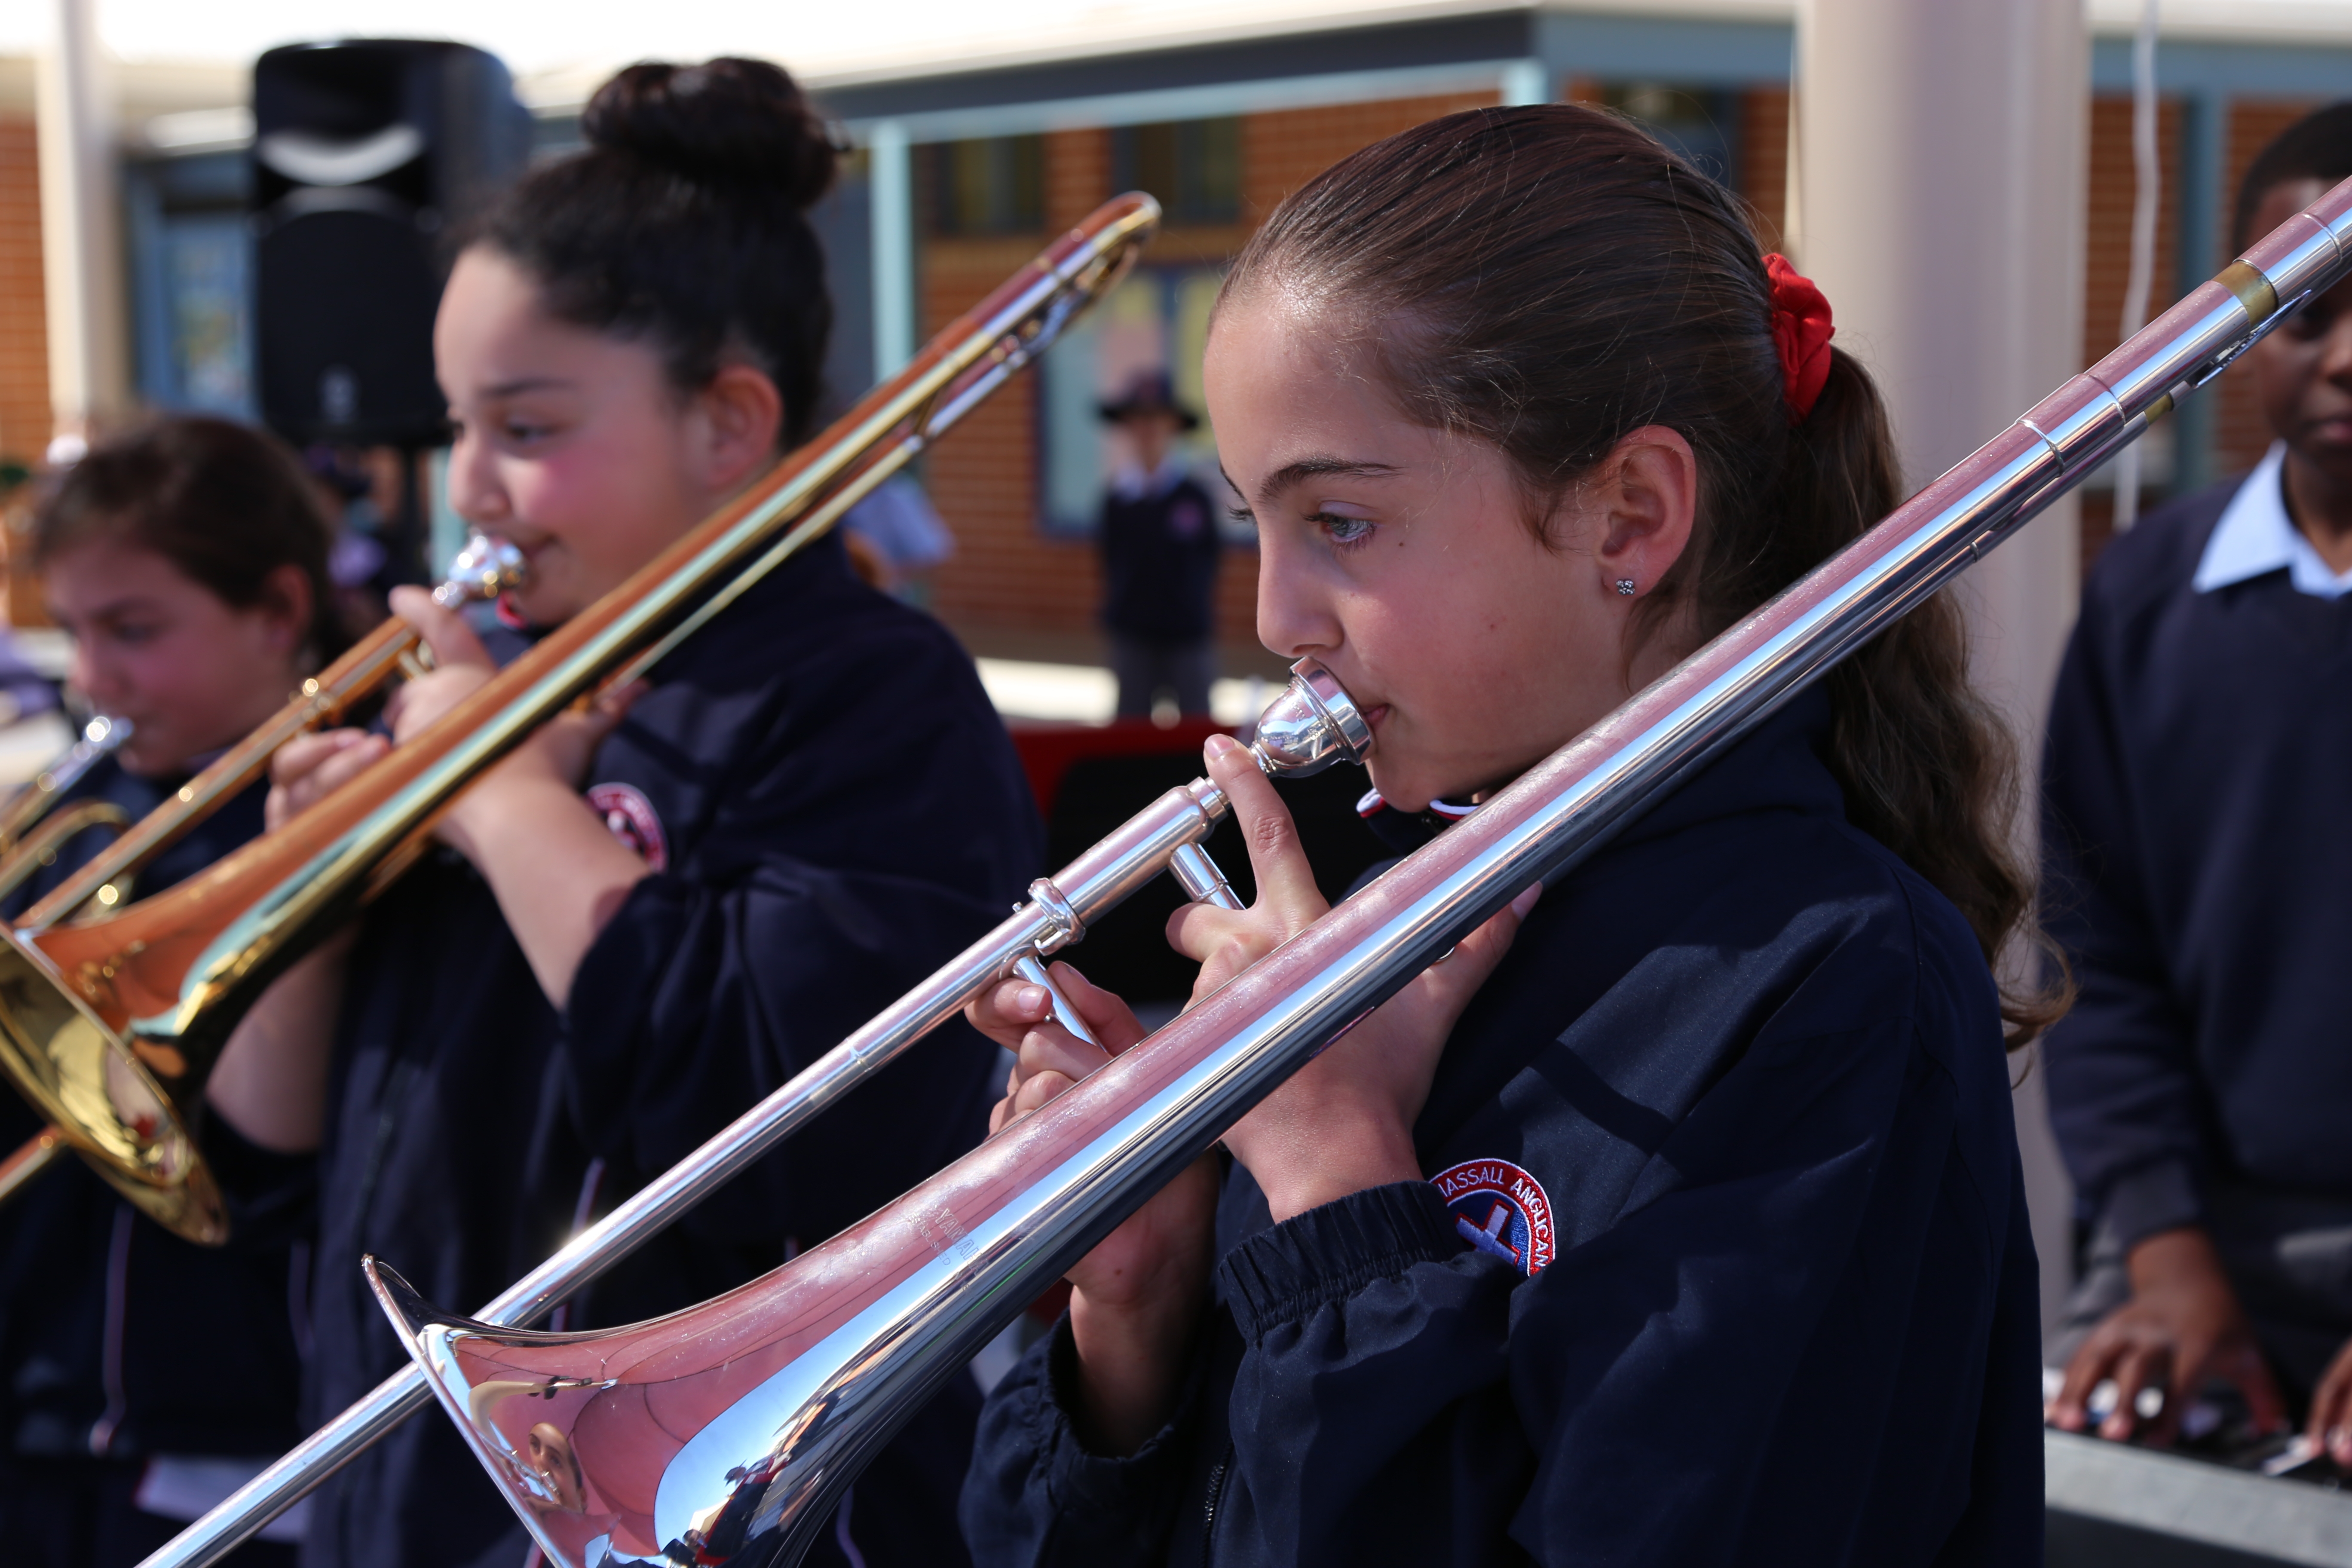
{"points": [[2194, 866], [834, 810], [1723, 1257], [118, 1338]]}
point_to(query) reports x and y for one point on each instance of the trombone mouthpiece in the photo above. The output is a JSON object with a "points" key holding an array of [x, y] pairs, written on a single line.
{"points": [[486, 568], [1311, 725]]}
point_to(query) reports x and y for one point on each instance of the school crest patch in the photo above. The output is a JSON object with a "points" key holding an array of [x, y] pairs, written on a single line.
{"points": [[630, 816], [1499, 1208]]}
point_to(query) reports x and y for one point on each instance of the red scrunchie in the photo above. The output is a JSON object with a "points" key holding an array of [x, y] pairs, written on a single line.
{"points": [[1801, 331]]}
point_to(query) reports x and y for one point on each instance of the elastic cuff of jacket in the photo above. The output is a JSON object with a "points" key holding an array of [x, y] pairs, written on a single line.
{"points": [[1284, 1274], [2162, 1196], [1082, 1481]]}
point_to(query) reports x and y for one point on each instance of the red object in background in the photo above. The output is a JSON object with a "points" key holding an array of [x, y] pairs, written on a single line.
{"points": [[1049, 750]]}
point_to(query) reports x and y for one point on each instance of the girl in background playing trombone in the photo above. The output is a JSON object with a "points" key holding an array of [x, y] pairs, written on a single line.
{"points": [[647, 917], [146, 1377]]}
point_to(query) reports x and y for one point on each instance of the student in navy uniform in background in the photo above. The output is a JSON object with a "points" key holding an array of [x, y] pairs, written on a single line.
{"points": [[1159, 548], [2197, 858], [147, 1376], [643, 921], [1700, 1236]]}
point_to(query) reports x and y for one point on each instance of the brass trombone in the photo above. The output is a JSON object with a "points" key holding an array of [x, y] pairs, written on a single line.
{"points": [[30, 804], [725, 1433], [30, 837], [111, 1026], [485, 568]]}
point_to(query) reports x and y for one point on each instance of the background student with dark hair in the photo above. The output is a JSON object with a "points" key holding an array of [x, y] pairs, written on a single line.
{"points": [[1689, 1229], [639, 924], [146, 1377], [2198, 868], [1159, 548]]}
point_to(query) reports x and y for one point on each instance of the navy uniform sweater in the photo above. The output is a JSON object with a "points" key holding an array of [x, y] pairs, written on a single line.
{"points": [[834, 810], [1160, 564], [1724, 1255], [2196, 866], [118, 1338]]}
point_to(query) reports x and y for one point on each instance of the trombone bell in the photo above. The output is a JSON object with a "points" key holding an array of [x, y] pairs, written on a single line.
{"points": [[112, 1101]]}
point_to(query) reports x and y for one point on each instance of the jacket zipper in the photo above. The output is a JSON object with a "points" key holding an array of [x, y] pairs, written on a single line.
{"points": [[1209, 1515]]}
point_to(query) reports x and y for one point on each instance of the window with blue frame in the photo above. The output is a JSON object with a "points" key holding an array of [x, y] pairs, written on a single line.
{"points": [[1157, 319], [995, 185], [1193, 166], [192, 269]]}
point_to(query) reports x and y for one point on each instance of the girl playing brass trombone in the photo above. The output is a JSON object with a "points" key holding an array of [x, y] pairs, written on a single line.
{"points": [[650, 915]]}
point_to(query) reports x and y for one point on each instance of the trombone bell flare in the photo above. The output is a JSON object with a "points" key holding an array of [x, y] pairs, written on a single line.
{"points": [[107, 1102]]}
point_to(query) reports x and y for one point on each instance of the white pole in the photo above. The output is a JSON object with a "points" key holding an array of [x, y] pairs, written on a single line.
{"points": [[81, 265], [1525, 81], [1943, 187], [2146, 177], [890, 190]]}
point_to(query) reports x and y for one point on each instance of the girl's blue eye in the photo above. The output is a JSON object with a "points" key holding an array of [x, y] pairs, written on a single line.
{"points": [[1345, 530]]}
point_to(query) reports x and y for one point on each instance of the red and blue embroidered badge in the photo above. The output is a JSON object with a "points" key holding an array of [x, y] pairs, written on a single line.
{"points": [[1499, 1208], [630, 816]]}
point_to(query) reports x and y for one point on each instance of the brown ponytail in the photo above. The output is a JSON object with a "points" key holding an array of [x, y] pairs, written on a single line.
{"points": [[1547, 278]]}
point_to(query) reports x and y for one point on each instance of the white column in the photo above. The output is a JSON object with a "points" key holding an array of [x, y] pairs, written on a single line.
{"points": [[1525, 81], [1943, 149], [891, 192], [82, 262]]}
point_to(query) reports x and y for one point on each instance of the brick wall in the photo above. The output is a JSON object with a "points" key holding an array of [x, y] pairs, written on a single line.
{"points": [[1009, 587], [2113, 189], [23, 334], [1764, 160]]}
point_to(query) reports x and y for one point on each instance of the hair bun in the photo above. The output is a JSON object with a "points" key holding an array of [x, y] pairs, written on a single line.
{"points": [[725, 119]]}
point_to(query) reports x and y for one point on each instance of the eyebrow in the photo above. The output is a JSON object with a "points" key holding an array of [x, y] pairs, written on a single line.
{"points": [[113, 609], [1289, 474], [527, 384]]}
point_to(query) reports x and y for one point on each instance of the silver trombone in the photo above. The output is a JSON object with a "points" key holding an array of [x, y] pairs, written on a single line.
{"points": [[773, 1395]]}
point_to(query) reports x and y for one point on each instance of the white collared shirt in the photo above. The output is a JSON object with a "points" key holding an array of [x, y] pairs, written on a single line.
{"points": [[2256, 536]]}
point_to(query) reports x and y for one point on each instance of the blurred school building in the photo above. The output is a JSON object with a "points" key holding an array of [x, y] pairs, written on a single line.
{"points": [[965, 167]]}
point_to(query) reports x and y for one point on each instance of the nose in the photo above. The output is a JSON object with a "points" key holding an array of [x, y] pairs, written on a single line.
{"points": [[92, 676], [1296, 615], [475, 489]]}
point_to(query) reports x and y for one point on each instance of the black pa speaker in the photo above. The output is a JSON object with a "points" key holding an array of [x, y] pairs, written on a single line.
{"points": [[366, 152]]}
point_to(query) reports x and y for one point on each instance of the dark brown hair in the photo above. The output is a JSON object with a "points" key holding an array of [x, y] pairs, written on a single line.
{"points": [[223, 503], [684, 223], [2316, 147], [1549, 278]]}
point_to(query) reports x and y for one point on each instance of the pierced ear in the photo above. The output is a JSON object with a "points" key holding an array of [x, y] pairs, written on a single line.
{"points": [[1649, 500]]}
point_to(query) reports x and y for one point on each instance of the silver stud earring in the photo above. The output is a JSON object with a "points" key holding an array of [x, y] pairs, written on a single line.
{"points": [[1625, 587]]}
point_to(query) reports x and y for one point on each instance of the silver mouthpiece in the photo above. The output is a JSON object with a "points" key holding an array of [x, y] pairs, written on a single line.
{"points": [[486, 568], [1311, 725]]}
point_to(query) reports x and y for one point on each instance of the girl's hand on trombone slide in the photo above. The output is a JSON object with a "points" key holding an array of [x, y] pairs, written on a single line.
{"points": [[1137, 1298], [1344, 1121]]}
